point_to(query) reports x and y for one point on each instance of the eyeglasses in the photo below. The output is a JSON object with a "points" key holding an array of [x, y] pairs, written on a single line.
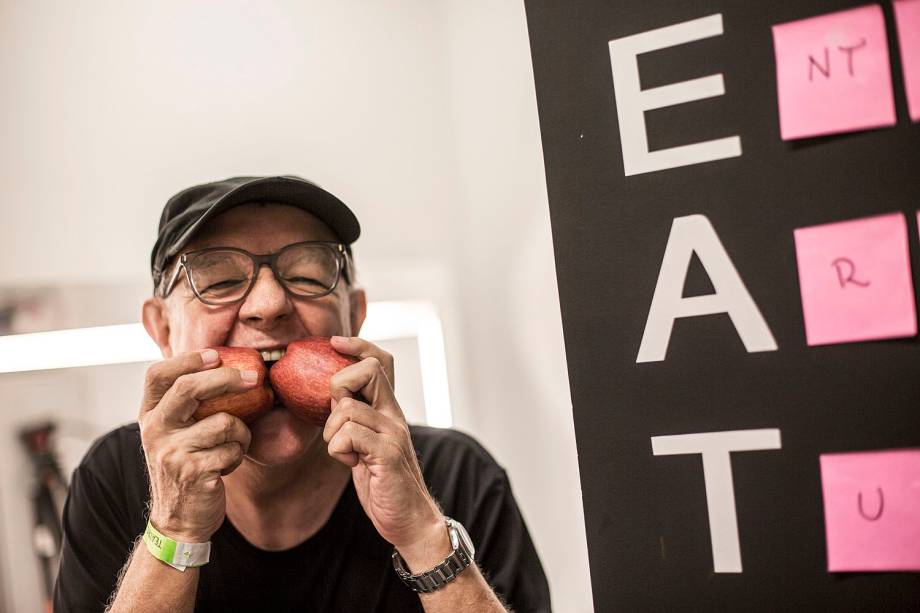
{"points": [[224, 275]]}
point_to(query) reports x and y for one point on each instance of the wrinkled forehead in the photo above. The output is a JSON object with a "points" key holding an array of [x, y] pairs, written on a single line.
{"points": [[261, 227]]}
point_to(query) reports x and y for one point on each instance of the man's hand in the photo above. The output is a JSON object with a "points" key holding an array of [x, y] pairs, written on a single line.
{"points": [[185, 458], [373, 438]]}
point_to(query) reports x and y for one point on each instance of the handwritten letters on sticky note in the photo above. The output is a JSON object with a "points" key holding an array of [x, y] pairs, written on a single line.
{"points": [[855, 280], [833, 76], [871, 510], [833, 73]]}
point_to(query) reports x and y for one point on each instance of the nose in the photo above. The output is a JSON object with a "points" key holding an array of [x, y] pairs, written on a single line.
{"points": [[267, 301]]}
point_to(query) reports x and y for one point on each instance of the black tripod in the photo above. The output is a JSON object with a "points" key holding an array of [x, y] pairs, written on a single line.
{"points": [[47, 502]]}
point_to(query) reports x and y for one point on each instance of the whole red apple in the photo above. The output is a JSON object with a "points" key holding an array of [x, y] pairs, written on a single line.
{"points": [[247, 405], [301, 377]]}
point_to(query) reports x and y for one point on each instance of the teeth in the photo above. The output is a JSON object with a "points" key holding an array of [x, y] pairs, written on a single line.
{"points": [[273, 355]]}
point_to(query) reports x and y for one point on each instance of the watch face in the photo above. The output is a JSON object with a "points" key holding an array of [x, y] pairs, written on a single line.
{"points": [[464, 537]]}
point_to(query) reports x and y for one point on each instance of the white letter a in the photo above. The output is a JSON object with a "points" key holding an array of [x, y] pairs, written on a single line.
{"points": [[692, 234]]}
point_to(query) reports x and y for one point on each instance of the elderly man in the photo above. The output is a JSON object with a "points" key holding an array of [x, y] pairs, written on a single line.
{"points": [[364, 514]]}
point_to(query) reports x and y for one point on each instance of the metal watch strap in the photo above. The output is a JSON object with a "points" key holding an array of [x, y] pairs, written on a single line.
{"points": [[445, 572]]}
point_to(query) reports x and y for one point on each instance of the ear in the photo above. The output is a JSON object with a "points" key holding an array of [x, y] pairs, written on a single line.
{"points": [[153, 314], [358, 310]]}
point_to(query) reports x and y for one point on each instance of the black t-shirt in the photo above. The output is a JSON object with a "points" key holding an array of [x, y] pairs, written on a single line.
{"points": [[344, 567]]}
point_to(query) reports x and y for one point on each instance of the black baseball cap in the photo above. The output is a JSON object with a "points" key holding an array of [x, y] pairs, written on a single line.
{"points": [[188, 211]]}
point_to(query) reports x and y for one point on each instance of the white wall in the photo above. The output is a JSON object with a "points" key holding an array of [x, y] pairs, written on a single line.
{"points": [[523, 408], [110, 107], [420, 114]]}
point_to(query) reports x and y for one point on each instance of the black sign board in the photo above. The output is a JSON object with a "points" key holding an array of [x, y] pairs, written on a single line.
{"points": [[701, 406]]}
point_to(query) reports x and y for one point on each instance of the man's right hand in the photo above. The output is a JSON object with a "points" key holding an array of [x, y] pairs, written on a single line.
{"points": [[186, 458]]}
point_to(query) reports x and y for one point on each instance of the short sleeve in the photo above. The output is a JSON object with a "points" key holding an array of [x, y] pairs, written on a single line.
{"points": [[475, 490], [505, 550], [96, 544]]}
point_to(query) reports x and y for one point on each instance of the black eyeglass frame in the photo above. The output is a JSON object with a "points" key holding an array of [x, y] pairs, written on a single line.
{"points": [[341, 256]]}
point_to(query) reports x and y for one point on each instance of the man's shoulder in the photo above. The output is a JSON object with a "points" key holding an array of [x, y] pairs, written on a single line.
{"points": [[118, 450], [111, 479], [454, 458], [435, 440]]}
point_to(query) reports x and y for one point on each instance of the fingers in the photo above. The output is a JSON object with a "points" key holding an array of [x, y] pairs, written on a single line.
{"points": [[353, 440], [361, 348], [367, 378], [185, 458], [223, 459], [349, 409], [181, 400], [356, 431], [216, 430], [161, 375]]}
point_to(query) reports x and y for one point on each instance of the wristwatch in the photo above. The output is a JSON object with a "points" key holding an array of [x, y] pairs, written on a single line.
{"points": [[446, 571]]}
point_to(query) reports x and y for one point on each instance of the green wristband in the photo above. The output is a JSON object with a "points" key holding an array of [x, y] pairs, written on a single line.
{"points": [[177, 554]]}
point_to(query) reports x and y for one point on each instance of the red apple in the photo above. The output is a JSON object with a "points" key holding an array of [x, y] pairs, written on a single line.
{"points": [[248, 405], [301, 377]]}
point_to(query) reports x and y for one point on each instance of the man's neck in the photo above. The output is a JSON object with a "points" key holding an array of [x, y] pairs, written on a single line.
{"points": [[277, 507]]}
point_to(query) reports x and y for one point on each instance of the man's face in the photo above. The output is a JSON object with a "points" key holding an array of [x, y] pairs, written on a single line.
{"points": [[268, 317]]}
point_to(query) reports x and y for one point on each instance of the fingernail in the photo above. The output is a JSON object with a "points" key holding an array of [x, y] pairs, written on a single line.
{"points": [[209, 356], [249, 376]]}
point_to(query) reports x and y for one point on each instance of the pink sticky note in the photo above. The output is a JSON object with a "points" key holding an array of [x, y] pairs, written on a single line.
{"points": [[907, 16], [872, 510], [855, 280], [832, 73]]}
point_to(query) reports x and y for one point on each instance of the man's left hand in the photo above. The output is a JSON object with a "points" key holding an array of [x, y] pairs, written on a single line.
{"points": [[373, 439]]}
